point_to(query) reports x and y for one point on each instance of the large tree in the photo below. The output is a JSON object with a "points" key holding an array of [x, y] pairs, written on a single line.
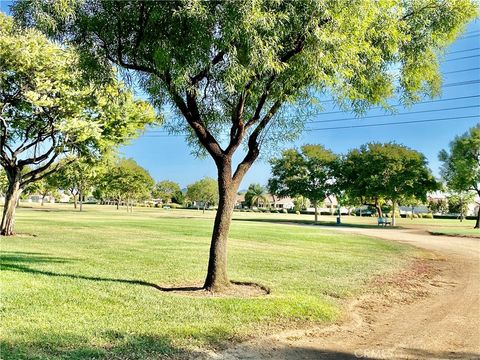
{"points": [[461, 164], [48, 111], [231, 69], [375, 173], [307, 172]]}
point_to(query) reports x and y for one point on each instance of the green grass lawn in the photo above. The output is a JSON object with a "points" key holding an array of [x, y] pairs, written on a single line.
{"points": [[74, 285]]}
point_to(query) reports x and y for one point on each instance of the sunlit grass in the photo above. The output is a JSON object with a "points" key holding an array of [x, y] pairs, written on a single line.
{"points": [[70, 281]]}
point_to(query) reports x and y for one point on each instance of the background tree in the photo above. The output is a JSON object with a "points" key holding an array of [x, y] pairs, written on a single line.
{"points": [[47, 186], [3, 181], [78, 177], [178, 197], [458, 203], [438, 206], [256, 194], [230, 69], [461, 165], [204, 191], [377, 172], [128, 182], [166, 190], [307, 172], [48, 111]]}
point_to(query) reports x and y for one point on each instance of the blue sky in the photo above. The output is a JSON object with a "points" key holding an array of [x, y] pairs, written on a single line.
{"points": [[170, 158]]}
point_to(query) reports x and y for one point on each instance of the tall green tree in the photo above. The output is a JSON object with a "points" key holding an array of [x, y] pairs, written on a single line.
{"points": [[231, 69], [204, 191], [166, 190], [461, 164], [256, 194], [127, 182], [47, 111], [307, 172], [78, 177], [376, 173], [458, 203]]}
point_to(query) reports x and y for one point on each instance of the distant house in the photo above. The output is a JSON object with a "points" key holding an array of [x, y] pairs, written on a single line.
{"points": [[281, 202]]}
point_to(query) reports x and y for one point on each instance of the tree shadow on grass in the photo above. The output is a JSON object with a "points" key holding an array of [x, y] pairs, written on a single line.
{"points": [[16, 261]]}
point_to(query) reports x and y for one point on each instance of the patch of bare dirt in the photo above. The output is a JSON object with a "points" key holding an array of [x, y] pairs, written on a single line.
{"points": [[236, 289]]}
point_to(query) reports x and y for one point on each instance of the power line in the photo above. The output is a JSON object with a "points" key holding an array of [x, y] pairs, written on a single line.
{"points": [[158, 132], [462, 51], [461, 58], [394, 123], [458, 71], [388, 115]]}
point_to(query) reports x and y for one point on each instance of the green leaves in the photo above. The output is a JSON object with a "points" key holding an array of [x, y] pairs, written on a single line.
{"points": [[385, 171], [461, 165], [308, 173], [49, 111]]}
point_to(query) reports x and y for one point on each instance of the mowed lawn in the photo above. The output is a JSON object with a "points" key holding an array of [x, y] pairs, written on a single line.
{"points": [[74, 285]]}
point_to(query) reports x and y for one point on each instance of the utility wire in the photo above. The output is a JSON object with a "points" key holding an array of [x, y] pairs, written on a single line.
{"points": [[373, 108], [395, 123]]}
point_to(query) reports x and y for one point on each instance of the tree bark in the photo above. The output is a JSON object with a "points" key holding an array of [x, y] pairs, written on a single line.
{"points": [[315, 206], [7, 227], [43, 200], [74, 201], [477, 223], [379, 210], [217, 278], [80, 200], [393, 214]]}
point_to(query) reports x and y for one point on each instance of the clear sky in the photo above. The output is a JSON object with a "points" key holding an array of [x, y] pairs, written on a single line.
{"points": [[170, 158]]}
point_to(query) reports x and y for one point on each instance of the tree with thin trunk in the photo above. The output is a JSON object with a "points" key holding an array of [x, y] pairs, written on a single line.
{"points": [[48, 111], [384, 172], [461, 165], [165, 190], [233, 71], [204, 191], [307, 172]]}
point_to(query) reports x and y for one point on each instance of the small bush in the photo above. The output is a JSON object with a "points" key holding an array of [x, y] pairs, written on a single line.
{"points": [[297, 212], [284, 211]]}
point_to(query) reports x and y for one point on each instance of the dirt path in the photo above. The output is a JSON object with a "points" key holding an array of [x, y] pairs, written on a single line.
{"points": [[443, 324]]}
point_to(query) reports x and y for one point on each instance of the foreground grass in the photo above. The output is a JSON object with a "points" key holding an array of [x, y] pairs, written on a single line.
{"points": [[78, 289]]}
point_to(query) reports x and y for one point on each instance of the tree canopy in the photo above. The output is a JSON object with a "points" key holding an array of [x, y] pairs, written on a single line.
{"points": [[375, 173], [307, 172], [461, 164], [48, 111], [166, 190], [204, 191]]}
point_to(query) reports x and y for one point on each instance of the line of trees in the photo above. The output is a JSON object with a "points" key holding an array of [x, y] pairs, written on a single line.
{"points": [[371, 175]]}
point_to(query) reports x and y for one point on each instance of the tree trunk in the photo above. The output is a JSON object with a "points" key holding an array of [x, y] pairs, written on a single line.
{"points": [[379, 210], [393, 214], [7, 227], [118, 204], [80, 200], [204, 206], [217, 264], [477, 223], [315, 206], [74, 201], [43, 200]]}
